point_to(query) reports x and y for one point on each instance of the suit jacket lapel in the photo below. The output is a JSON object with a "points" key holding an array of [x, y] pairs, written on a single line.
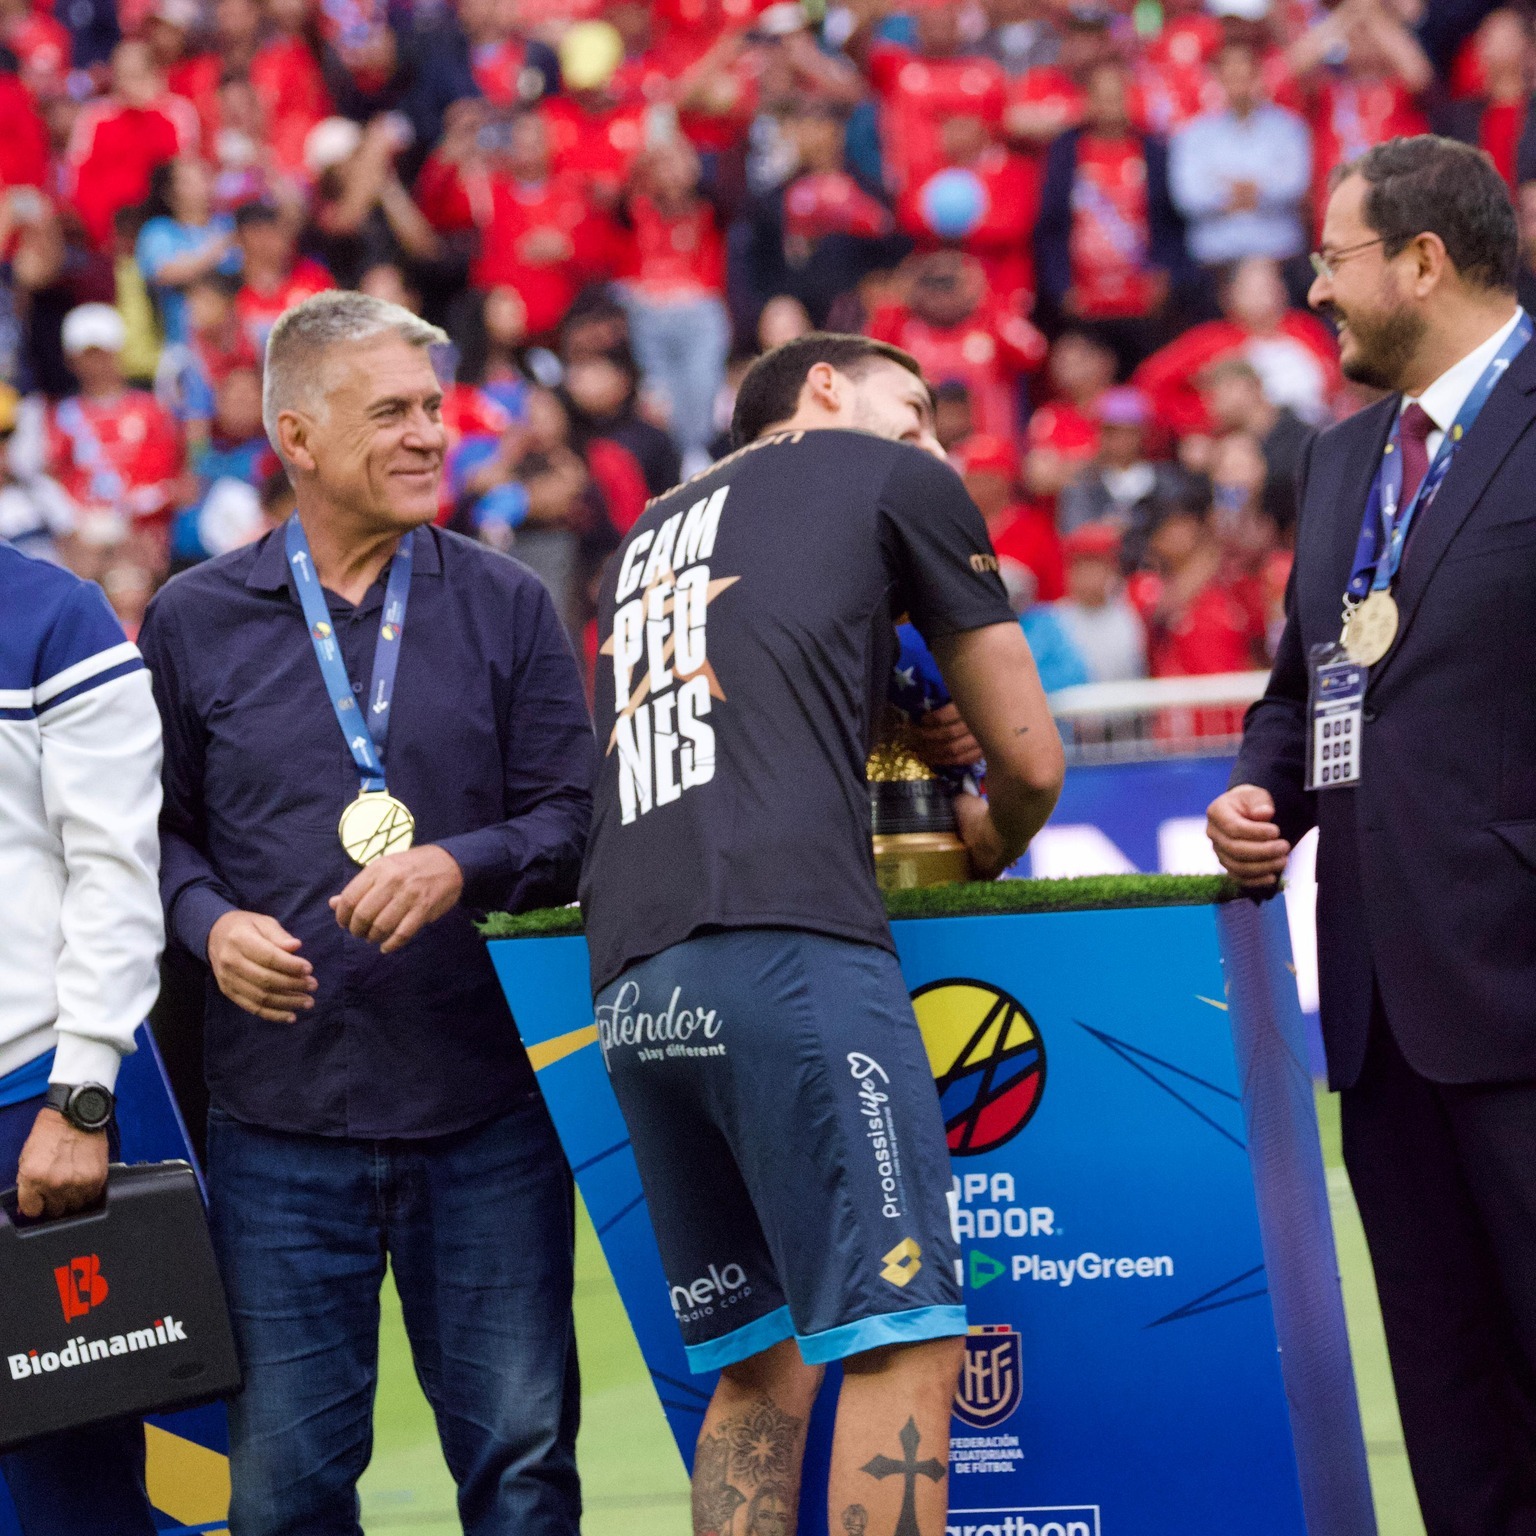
{"points": [[1499, 426]]}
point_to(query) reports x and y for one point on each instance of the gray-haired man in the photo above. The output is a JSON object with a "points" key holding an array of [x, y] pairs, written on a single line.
{"points": [[372, 728]]}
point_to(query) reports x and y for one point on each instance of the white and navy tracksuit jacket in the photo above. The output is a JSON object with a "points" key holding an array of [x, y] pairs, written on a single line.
{"points": [[80, 922]]}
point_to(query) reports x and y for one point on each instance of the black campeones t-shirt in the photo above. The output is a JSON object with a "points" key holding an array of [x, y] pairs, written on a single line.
{"points": [[747, 640]]}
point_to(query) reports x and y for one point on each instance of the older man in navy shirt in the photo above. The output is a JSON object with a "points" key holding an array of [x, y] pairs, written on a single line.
{"points": [[373, 729]]}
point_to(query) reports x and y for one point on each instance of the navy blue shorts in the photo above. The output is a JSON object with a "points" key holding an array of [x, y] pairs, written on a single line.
{"points": [[790, 1143]]}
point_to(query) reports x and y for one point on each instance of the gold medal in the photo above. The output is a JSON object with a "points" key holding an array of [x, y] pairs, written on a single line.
{"points": [[1371, 628], [375, 824]]}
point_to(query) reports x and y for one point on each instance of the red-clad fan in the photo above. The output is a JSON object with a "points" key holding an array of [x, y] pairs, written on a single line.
{"points": [[167, 32], [1045, 100], [1062, 437], [509, 70], [958, 331], [671, 268], [538, 233], [42, 46], [1173, 77], [765, 54], [1109, 240], [1197, 621], [919, 89], [24, 142], [594, 133], [1023, 533], [1293, 352], [275, 276], [118, 140], [287, 76], [117, 451], [999, 236], [1372, 97], [1492, 96]]}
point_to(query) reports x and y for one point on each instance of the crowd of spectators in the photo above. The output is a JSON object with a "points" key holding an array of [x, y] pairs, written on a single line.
{"points": [[1088, 222]]}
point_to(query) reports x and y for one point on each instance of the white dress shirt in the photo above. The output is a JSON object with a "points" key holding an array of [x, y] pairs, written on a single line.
{"points": [[1442, 401]]}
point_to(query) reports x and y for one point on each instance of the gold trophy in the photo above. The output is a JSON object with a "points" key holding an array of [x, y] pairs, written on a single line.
{"points": [[911, 816]]}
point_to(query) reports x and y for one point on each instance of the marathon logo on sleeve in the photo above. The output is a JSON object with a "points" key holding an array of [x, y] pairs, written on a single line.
{"points": [[663, 685], [163, 1332]]}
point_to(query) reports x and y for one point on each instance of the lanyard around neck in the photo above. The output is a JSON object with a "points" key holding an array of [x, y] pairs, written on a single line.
{"points": [[1384, 532], [365, 742]]}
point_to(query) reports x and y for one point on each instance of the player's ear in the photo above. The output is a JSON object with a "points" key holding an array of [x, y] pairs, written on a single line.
{"points": [[824, 386]]}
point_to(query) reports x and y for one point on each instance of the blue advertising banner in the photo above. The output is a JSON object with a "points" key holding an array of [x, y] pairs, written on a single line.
{"points": [[1140, 1254], [187, 1469]]}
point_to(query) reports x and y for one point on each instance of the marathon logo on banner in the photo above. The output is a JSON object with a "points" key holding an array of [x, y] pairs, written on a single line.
{"points": [[80, 1351], [1068, 1520]]}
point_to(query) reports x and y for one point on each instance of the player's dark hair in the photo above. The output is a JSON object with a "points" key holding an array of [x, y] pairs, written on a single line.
{"points": [[770, 388], [1431, 185]]}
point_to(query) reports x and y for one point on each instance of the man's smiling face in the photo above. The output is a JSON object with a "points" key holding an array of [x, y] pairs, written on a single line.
{"points": [[1363, 294]]}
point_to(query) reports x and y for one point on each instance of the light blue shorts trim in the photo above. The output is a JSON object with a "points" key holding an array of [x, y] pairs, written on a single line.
{"points": [[887, 1328], [742, 1343]]}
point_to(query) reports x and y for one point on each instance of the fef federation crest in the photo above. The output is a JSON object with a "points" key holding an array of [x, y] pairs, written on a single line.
{"points": [[992, 1381]]}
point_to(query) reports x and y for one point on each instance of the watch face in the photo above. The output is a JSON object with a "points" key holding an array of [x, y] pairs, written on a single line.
{"points": [[91, 1105]]}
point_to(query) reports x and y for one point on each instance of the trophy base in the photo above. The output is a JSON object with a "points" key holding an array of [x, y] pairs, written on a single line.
{"points": [[907, 860]]}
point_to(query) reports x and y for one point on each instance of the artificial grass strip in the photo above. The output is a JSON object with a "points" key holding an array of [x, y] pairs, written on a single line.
{"points": [[988, 898]]}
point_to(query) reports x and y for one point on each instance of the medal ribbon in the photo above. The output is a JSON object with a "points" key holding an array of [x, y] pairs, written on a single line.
{"points": [[364, 742], [1384, 530]]}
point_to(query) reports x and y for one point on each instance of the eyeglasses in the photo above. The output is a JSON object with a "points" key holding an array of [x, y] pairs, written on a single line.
{"points": [[1326, 265]]}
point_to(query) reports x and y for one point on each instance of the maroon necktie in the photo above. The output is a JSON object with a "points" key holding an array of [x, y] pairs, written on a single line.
{"points": [[1413, 443]]}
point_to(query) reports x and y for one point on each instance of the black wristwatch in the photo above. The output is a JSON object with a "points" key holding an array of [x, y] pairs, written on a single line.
{"points": [[87, 1106]]}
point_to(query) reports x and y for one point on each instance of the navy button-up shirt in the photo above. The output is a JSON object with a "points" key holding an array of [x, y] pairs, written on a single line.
{"points": [[490, 745]]}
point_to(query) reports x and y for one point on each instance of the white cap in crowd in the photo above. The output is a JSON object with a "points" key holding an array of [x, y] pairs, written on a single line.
{"points": [[93, 325]]}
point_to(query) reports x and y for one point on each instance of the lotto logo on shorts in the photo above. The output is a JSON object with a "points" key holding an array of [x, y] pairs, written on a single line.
{"points": [[902, 1263]]}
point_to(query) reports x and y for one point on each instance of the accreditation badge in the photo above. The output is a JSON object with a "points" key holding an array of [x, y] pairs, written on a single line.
{"points": [[375, 824], [1336, 712]]}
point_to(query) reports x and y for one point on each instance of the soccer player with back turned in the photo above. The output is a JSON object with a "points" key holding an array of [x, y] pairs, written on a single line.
{"points": [[750, 1009]]}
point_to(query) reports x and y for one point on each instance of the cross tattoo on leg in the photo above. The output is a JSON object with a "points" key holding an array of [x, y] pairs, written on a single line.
{"points": [[910, 1469]]}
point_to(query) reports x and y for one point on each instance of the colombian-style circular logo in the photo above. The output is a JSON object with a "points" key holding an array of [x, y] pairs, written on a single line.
{"points": [[987, 1058]]}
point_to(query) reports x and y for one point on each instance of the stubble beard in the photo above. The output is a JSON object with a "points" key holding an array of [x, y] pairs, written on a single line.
{"points": [[1384, 349]]}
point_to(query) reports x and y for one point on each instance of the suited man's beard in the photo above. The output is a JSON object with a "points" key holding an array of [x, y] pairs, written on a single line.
{"points": [[1381, 349]]}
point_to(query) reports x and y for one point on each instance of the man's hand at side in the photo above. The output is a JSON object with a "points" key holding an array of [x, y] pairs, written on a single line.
{"points": [[62, 1170], [395, 897], [1242, 830], [258, 967]]}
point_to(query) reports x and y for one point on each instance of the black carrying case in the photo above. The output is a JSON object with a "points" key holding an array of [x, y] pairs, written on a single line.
{"points": [[118, 1311]]}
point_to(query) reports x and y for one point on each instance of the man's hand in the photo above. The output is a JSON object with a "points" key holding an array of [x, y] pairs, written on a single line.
{"points": [[258, 967], [944, 740], [978, 831], [62, 1170], [1242, 830], [395, 897], [1243, 197]]}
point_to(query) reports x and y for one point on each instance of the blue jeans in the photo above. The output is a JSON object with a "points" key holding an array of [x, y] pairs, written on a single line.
{"points": [[681, 348], [479, 1227], [47, 1480]]}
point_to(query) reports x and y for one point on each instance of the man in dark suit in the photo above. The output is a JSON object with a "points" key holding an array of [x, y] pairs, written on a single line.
{"points": [[1426, 865]]}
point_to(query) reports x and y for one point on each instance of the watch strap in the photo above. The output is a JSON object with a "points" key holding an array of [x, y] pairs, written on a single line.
{"points": [[63, 1098]]}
